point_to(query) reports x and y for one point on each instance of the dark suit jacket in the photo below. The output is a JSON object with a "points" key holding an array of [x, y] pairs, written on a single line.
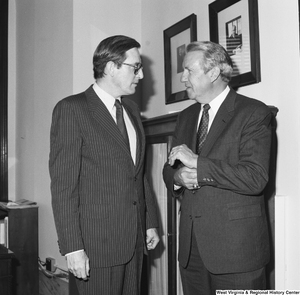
{"points": [[228, 211], [98, 194]]}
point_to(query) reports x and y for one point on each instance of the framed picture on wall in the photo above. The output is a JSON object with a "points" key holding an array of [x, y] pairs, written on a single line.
{"points": [[176, 38], [234, 25]]}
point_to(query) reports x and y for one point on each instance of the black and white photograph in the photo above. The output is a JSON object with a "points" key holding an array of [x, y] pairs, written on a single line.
{"points": [[234, 25]]}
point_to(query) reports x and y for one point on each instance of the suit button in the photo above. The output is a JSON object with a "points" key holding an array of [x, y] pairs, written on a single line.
{"points": [[134, 202]]}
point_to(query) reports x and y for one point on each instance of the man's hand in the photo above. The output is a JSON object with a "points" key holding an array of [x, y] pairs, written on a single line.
{"points": [[78, 264], [186, 177], [152, 238], [183, 154]]}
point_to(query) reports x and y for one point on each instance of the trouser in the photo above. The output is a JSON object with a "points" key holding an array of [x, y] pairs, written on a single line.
{"points": [[117, 280], [197, 280]]}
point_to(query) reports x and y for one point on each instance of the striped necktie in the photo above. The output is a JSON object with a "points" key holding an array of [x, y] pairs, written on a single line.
{"points": [[120, 122], [202, 130]]}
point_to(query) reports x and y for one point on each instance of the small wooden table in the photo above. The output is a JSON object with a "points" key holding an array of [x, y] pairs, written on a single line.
{"points": [[6, 257]]}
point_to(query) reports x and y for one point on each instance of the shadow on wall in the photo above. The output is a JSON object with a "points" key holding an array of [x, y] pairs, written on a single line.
{"points": [[145, 88]]}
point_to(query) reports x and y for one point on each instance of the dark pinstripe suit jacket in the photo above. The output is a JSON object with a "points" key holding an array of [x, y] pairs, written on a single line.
{"points": [[228, 211], [98, 194]]}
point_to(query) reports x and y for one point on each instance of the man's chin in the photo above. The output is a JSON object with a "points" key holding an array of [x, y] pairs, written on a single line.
{"points": [[132, 92], [133, 88], [191, 95]]}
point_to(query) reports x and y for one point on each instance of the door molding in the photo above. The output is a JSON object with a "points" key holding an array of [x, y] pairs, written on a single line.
{"points": [[3, 100]]}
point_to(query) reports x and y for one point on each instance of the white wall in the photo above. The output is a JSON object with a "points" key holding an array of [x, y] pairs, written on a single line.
{"points": [[51, 43], [94, 22], [40, 72]]}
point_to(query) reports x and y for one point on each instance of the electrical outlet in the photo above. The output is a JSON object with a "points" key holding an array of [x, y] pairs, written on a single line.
{"points": [[50, 264]]}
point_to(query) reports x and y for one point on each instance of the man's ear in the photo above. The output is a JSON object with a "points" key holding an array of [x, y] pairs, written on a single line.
{"points": [[214, 74], [110, 68]]}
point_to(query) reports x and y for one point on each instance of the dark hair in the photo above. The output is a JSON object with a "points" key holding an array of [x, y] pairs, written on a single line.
{"points": [[214, 55], [112, 49]]}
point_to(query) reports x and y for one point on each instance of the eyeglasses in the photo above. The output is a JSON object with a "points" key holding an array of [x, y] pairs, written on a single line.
{"points": [[136, 67]]}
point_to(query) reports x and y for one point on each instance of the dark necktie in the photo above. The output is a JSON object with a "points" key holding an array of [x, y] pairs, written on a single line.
{"points": [[202, 130], [120, 122]]}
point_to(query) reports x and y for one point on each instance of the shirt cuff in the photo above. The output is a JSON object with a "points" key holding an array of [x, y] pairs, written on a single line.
{"points": [[74, 252], [177, 187]]}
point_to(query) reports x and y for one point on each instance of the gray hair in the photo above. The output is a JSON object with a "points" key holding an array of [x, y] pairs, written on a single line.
{"points": [[214, 55]]}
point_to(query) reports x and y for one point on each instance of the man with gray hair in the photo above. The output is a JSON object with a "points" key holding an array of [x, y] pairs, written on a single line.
{"points": [[219, 173]]}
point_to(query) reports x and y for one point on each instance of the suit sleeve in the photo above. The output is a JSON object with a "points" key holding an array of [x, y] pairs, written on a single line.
{"points": [[64, 167], [248, 174], [151, 206]]}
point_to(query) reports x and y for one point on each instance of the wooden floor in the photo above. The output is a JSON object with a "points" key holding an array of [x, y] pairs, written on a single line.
{"points": [[52, 286]]}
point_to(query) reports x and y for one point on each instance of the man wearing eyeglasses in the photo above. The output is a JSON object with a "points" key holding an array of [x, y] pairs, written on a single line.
{"points": [[104, 211]]}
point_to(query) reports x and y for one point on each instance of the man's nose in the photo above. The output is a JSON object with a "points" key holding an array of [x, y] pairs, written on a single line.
{"points": [[140, 74], [183, 77]]}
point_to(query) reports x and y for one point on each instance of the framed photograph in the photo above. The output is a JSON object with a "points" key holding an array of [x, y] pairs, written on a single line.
{"points": [[176, 38], [234, 25]]}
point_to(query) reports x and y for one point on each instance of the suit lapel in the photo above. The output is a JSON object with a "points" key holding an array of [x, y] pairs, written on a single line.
{"points": [[223, 116], [103, 117], [140, 143], [192, 125]]}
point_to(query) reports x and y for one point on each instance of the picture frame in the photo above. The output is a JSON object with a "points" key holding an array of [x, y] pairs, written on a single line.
{"points": [[176, 38], [234, 25]]}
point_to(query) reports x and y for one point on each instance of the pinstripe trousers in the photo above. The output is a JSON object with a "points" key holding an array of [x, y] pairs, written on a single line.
{"points": [[117, 280]]}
